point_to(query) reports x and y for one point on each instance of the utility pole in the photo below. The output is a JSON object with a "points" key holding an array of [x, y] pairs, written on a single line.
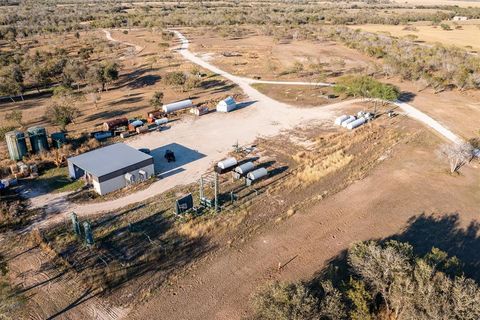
{"points": [[216, 192]]}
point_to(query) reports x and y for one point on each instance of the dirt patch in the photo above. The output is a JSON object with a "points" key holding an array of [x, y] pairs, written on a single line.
{"points": [[301, 96]]}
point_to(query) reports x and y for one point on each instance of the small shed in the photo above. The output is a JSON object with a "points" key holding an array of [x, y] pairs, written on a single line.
{"points": [[112, 167], [226, 105]]}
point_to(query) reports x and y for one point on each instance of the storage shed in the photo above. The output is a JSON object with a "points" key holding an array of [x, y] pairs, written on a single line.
{"points": [[112, 167], [226, 105]]}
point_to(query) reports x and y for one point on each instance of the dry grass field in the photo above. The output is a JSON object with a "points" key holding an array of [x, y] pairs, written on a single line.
{"points": [[460, 3], [466, 36], [327, 187], [140, 76]]}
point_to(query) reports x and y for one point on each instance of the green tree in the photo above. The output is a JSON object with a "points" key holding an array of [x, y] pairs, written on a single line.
{"points": [[157, 100], [61, 115], [281, 301]]}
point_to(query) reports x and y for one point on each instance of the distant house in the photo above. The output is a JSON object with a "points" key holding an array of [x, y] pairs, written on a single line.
{"points": [[460, 18], [111, 168]]}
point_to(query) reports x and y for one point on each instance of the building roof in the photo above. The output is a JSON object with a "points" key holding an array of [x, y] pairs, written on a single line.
{"points": [[229, 101], [115, 157]]}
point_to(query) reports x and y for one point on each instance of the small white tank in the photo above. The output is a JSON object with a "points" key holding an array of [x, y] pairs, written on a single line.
{"points": [[161, 121], [227, 163], [340, 119], [350, 119], [356, 123], [257, 174], [245, 168]]}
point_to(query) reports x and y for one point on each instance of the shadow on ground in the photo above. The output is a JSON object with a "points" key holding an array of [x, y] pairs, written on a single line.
{"points": [[424, 232]]}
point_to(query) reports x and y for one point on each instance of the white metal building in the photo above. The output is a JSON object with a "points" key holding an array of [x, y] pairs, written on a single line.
{"points": [[112, 167], [226, 105]]}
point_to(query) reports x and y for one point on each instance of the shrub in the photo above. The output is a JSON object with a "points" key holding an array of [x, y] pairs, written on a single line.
{"points": [[175, 78]]}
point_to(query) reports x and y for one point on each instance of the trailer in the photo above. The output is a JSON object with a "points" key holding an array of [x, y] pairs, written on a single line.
{"points": [[177, 106]]}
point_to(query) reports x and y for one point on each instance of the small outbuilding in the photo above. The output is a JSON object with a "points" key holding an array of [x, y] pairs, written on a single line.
{"points": [[226, 105], [112, 167]]}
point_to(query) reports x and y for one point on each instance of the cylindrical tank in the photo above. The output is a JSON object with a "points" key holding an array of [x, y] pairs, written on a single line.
{"points": [[112, 124], [58, 139], [17, 145], [161, 121], [172, 107], [245, 168], [38, 139], [340, 119], [257, 174], [345, 122], [227, 163], [356, 123]]}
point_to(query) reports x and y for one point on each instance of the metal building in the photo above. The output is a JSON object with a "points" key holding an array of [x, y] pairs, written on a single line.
{"points": [[112, 167], [226, 105]]}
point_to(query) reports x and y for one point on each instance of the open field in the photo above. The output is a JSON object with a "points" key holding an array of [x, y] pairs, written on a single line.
{"points": [[293, 68], [253, 55], [140, 76], [466, 36], [448, 106], [460, 3]]}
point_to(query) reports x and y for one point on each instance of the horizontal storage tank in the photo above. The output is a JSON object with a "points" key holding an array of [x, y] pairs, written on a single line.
{"points": [[356, 123], [227, 163], [245, 168], [257, 174], [161, 121], [38, 139], [17, 145], [115, 123], [340, 119], [58, 139], [226, 105], [176, 106], [345, 122], [102, 135]]}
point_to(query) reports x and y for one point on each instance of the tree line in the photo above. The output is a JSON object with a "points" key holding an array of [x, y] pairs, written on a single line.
{"points": [[382, 281]]}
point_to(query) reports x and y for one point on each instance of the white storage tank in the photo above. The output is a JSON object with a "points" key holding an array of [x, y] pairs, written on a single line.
{"points": [[340, 119], [172, 107], [245, 168], [356, 123], [136, 123], [227, 163], [347, 121], [161, 121], [226, 105], [257, 174]]}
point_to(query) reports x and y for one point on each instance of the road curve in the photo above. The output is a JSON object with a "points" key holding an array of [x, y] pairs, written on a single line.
{"points": [[245, 84]]}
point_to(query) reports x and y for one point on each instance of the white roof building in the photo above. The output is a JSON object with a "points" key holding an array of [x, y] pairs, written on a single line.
{"points": [[112, 167]]}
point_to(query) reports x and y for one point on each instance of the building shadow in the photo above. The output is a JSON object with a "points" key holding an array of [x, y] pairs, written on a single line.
{"points": [[183, 156]]}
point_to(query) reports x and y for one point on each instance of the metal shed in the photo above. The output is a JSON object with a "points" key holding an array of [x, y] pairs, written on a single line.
{"points": [[107, 168], [226, 105]]}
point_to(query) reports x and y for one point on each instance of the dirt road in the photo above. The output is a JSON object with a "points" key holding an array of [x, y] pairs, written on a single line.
{"points": [[246, 83], [261, 116], [376, 207]]}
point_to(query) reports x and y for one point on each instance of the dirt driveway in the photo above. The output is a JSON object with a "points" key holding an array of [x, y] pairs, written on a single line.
{"points": [[383, 204]]}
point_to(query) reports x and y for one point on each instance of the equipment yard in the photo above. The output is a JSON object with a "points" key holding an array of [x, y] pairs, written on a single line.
{"points": [[165, 160]]}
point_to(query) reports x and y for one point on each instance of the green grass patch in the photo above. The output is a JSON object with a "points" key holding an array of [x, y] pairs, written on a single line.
{"points": [[57, 180]]}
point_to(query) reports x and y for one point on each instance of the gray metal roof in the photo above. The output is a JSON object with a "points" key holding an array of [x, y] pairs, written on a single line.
{"points": [[103, 161]]}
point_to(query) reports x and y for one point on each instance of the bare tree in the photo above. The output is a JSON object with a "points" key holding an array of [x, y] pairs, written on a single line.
{"points": [[457, 154]]}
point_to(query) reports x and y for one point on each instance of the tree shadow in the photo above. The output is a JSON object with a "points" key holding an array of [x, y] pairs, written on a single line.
{"points": [[144, 81], [406, 96], [107, 114], [423, 232]]}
